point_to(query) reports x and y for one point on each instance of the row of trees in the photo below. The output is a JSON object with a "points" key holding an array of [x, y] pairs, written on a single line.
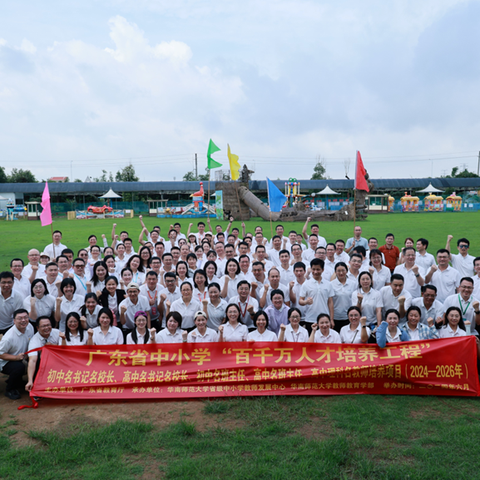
{"points": [[126, 174]]}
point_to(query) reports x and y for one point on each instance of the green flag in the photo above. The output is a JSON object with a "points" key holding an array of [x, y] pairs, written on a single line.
{"points": [[211, 163]]}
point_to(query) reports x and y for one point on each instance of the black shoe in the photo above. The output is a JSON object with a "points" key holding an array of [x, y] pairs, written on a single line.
{"points": [[12, 394], [37, 398]]}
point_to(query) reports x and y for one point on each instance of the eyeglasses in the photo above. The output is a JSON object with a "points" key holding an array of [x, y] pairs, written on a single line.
{"points": [[463, 246], [79, 266]]}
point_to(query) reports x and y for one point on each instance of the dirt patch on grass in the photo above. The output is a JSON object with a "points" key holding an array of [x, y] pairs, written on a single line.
{"points": [[68, 417]]}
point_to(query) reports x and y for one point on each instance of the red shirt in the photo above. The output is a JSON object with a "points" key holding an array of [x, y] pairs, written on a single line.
{"points": [[391, 256]]}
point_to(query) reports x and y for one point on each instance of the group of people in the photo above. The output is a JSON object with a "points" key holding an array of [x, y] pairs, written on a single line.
{"points": [[215, 285]]}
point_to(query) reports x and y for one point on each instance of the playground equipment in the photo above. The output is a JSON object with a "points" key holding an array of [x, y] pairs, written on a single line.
{"points": [[409, 203], [198, 207], [292, 192], [454, 202], [391, 203]]}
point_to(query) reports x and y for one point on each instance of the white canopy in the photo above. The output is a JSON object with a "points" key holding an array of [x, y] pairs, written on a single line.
{"points": [[430, 189], [327, 191], [110, 194], [3, 198]]}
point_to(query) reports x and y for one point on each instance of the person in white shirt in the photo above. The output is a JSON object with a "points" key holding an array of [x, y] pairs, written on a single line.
{"points": [[293, 331], [321, 331], [10, 301], [52, 278], [230, 280], [453, 325], [248, 305], [245, 269], [232, 330], [152, 290], [424, 259], [340, 254], [309, 254], [186, 306], [83, 286], [261, 333], [274, 252], [469, 305], [388, 331], [74, 333], [39, 303], [394, 296], [356, 331], [413, 275], [444, 277], [56, 247], [317, 295], [13, 346], [373, 245], [105, 333], [476, 278], [130, 306], [260, 255], [46, 335], [202, 333], [140, 335], [273, 284], [89, 311], [429, 306], [296, 286], [343, 288], [284, 267], [67, 301], [169, 294], [368, 300], [34, 267], [329, 269], [462, 261], [380, 273], [214, 307], [173, 333], [296, 254], [330, 257], [21, 283]]}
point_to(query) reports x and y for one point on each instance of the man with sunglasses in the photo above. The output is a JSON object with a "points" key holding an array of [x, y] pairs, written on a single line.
{"points": [[462, 261]]}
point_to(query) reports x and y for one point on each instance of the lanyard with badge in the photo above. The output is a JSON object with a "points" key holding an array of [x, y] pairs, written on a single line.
{"points": [[464, 311], [84, 285], [153, 308]]}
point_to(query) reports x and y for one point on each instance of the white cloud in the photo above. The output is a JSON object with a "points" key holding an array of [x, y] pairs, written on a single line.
{"points": [[278, 79]]}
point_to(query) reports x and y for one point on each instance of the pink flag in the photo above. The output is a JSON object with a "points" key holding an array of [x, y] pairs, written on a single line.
{"points": [[46, 215]]}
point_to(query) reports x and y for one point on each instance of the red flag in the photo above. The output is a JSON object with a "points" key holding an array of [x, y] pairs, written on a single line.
{"points": [[360, 182], [46, 215]]}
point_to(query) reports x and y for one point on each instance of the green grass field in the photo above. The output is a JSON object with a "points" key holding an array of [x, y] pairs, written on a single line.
{"points": [[17, 237], [349, 437]]}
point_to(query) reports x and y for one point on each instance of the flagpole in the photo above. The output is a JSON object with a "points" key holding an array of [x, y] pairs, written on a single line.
{"points": [[208, 198], [355, 192], [53, 243], [270, 211]]}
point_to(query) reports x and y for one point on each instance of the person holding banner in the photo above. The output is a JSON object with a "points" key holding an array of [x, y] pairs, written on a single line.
{"points": [[232, 330], [105, 333], [321, 331], [46, 335], [202, 333]]}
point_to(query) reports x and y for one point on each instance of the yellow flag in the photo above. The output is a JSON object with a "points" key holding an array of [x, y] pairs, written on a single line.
{"points": [[234, 165]]}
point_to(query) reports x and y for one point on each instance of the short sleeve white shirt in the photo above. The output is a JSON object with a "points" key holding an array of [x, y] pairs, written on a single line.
{"points": [[266, 336], [332, 337], [114, 336]]}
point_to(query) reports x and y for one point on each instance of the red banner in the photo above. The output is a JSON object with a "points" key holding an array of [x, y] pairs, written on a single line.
{"points": [[188, 370]]}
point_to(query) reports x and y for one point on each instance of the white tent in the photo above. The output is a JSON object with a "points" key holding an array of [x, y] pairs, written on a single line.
{"points": [[430, 189], [327, 191], [111, 194]]}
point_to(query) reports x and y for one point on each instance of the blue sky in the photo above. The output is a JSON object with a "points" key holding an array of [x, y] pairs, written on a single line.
{"points": [[96, 84]]}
